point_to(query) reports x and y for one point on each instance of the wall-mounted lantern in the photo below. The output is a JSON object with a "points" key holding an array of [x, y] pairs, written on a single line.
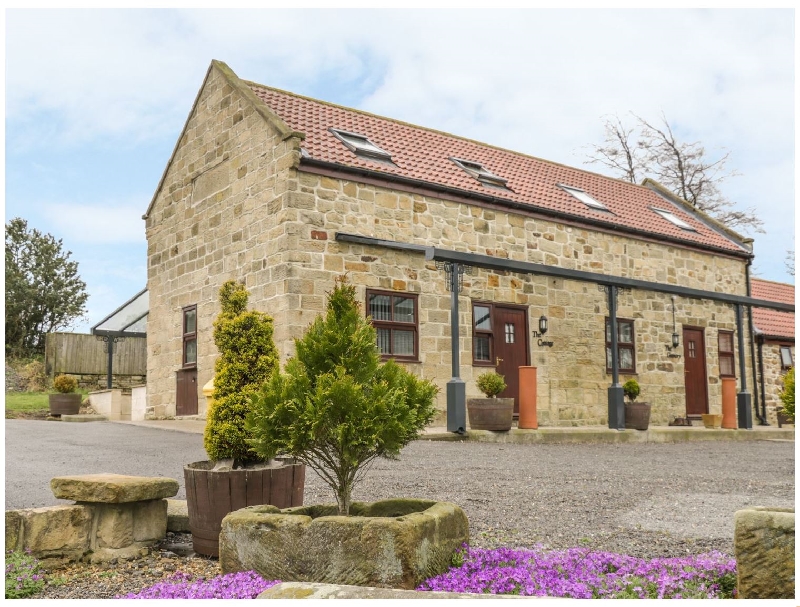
{"points": [[542, 324], [675, 340]]}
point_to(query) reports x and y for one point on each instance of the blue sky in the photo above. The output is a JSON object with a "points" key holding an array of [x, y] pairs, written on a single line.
{"points": [[95, 99]]}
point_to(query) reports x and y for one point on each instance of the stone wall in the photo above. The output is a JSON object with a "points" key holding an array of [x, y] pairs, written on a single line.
{"points": [[90, 381], [217, 216], [234, 205]]}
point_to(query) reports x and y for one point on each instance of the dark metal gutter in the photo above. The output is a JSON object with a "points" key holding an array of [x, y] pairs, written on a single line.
{"points": [[460, 195]]}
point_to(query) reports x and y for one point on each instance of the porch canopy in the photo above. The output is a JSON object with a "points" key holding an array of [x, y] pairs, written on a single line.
{"points": [[129, 320], [456, 399]]}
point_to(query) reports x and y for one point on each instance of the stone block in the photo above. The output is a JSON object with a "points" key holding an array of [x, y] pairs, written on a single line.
{"points": [[114, 526], [177, 516], [150, 520], [112, 488], [13, 530], [57, 531], [310, 590], [763, 543], [391, 544]]}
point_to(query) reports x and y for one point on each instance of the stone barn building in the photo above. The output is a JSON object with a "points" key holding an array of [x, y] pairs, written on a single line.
{"points": [[285, 193]]}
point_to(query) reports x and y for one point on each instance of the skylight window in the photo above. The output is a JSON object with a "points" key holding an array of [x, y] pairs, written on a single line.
{"points": [[359, 144], [674, 219], [481, 173], [584, 198]]}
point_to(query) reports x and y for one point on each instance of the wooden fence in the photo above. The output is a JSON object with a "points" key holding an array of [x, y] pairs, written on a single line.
{"points": [[82, 354]]}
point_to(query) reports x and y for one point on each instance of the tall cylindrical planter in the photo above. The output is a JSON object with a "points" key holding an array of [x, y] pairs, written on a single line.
{"points": [[213, 494], [527, 398], [729, 403]]}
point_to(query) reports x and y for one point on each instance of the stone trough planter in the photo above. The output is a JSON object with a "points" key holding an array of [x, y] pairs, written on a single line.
{"points": [[395, 543]]}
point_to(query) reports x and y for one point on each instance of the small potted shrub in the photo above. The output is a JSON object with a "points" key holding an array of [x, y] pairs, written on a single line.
{"points": [[66, 401], [235, 475], [637, 415], [491, 413], [338, 408]]}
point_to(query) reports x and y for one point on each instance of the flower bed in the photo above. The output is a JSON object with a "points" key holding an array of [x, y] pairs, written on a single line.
{"points": [[241, 585], [581, 573]]}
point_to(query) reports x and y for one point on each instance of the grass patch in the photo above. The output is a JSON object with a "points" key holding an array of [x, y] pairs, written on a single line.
{"points": [[30, 404]]}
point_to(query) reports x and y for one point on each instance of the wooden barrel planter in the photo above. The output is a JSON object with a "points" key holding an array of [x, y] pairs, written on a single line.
{"points": [[212, 494], [637, 416], [65, 404], [494, 414]]}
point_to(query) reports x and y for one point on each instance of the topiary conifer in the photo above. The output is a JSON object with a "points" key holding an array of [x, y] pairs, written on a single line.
{"points": [[337, 407], [247, 357]]}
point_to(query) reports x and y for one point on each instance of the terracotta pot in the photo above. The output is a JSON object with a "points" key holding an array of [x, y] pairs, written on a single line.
{"points": [[637, 416], [712, 420], [494, 414], [212, 494], [65, 404]]}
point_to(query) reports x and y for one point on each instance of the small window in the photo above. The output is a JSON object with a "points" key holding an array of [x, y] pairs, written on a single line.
{"points": [[674, 219], [626, 346], [360, 145], [190, 336], [786, 357], [584, 198], [395, 318], [727, 367], [482, 334], [481, 173]]}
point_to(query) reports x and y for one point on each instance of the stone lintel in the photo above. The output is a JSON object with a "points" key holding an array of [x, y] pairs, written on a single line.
{"points": [[112, 488]]}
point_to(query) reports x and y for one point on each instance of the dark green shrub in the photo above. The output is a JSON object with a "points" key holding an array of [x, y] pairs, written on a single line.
{"points": [[247, 357], [787, 394], [631, 389], [491, 383], [65, 384], [23, 578], [336, 407]]}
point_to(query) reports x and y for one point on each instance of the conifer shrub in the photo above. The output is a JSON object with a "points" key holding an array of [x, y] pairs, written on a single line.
{"points": [[336, 407], [631, 389], [65, 384], [247, 357], [491, 383], [787, 394]]}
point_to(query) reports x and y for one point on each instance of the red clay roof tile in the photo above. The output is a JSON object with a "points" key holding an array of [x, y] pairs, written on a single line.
{"points": [[773, 322], [424, 155]]}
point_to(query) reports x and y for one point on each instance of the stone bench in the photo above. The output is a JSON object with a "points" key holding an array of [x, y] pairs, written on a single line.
{"points": [[114, 516]]}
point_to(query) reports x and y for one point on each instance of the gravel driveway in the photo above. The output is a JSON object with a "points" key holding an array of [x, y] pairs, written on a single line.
{"points": [[647, 500]]}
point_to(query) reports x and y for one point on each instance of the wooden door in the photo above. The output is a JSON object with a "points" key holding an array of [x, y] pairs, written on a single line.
{"points": [[186, 392], [694, 356], [510, 333]]}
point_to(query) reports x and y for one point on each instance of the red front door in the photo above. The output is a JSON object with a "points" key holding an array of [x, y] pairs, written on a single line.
{"points": [[694, 356], [510, 337]]}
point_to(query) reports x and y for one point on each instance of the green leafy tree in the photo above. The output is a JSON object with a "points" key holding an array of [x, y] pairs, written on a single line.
{"points": [[43, 290], [787, 394], [247, 357], [337, 408]]}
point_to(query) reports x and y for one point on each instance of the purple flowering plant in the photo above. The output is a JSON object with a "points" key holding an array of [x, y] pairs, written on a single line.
{"points": [[240, 585], [581, 573], [22, 575]]}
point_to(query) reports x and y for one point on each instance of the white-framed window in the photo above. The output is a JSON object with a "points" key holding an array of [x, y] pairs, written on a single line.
{"points": [[361, 145], [481, 173], [674, 219], [786, 357], [584, 198]]}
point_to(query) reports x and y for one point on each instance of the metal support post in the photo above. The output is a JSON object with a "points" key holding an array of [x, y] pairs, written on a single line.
{"points": [[616, 400], [456, 388], [744, 402]]}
